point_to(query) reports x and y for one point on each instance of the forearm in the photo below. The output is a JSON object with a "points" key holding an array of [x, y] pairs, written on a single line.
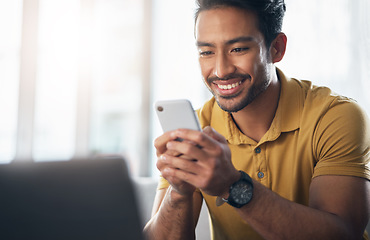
{"points": [[173, 220], [277, 218]]}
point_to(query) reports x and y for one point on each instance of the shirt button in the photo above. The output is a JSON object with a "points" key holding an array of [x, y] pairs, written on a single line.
{"points": [[257, 150], [261, 175]]}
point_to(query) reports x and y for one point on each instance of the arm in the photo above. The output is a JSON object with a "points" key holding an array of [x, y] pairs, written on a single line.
{"points": [[171, 218], [338, 208], [176, 209]]}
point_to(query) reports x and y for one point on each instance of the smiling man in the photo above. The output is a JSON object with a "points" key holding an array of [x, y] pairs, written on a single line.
{"points": [[278, 158]]}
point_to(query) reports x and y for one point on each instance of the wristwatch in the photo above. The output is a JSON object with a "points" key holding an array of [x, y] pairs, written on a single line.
{"points": [[240, 192]]}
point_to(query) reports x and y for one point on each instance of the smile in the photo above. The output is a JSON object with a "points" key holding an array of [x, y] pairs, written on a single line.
{"points": [[229, 86]]}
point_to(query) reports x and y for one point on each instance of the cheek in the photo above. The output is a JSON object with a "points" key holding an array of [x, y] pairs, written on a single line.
{"points": [[247, 64], [254, 63], [205, 68]]}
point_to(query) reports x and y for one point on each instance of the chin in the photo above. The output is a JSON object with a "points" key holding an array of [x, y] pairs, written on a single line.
{"points": [[233, 107]]}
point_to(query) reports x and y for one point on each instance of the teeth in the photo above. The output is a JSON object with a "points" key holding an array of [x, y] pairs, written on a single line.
{"points": [[229, 86]]}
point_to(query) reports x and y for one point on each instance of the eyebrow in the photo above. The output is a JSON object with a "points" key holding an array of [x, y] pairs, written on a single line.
{"points": [[229, 42]]}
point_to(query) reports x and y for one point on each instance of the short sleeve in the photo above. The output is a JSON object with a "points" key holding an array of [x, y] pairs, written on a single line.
{"points": [[162, 183], [342, 141]]}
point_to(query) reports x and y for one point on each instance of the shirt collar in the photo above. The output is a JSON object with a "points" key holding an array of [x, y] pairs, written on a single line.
{"points": [[290, 103]]}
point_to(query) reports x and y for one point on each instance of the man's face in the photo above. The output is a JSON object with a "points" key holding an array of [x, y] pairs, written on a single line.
{"points": [[234, 60]]}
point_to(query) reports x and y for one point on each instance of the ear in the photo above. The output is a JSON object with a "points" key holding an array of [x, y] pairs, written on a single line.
{"points": [[278, 47]]}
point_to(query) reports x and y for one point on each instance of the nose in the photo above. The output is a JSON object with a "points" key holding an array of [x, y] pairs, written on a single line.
{"points": [[223, 66]]}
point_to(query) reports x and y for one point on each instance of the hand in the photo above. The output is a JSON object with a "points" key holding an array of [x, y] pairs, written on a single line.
{"points": [[177, 184], [210, 168]]}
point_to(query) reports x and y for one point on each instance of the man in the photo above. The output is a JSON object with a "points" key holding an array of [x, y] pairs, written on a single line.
{"points": [[290, 160]]}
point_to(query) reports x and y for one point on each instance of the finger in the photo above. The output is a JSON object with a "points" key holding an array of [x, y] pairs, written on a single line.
{"points": [[188, 150], [180, 163], [161, 141], [213, 154], [162, 163], [177, 176], [170, 173], [173, 153], [197, 138]]}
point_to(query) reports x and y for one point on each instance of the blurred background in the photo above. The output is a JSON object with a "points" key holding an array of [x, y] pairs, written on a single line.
{"points": [[79, 77]]}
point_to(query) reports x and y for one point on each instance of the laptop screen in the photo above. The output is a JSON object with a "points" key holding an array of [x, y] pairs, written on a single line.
{"points": [[77, 199]]}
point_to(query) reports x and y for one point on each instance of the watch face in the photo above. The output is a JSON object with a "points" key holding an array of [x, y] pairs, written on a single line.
{"points": [[241, 193]]}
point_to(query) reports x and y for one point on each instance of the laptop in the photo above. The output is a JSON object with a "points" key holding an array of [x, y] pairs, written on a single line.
{"points": [[76, 199]]}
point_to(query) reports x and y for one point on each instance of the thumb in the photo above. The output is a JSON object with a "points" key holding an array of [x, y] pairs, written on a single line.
{"points": [[214, 134]]}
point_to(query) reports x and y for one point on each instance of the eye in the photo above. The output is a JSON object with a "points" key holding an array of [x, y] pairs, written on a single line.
{"points": [[205, 53], [239, 50]]}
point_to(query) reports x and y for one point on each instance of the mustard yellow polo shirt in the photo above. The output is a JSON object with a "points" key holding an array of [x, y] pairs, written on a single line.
{"points": [[314, 132]]}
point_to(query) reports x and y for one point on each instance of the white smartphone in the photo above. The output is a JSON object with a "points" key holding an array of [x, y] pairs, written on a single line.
{"points": [[175, 114]]}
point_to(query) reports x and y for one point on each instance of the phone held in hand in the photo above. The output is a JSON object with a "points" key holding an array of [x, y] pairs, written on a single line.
{"points": [[175, 114]]}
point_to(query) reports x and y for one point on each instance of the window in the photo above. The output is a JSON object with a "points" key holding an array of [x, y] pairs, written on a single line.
{"points": [[10, 43], [57, 79], [80, 72], [329, 44]]}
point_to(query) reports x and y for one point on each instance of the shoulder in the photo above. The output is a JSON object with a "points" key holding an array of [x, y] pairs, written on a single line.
{"points": [[334, 116], [320, 105], [325, 107], [205, 112], [343, 120], [341, 138], [336, 128]]}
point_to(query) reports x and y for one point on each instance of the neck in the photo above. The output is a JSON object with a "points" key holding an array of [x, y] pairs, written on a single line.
{"points": [[256, 118]]}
